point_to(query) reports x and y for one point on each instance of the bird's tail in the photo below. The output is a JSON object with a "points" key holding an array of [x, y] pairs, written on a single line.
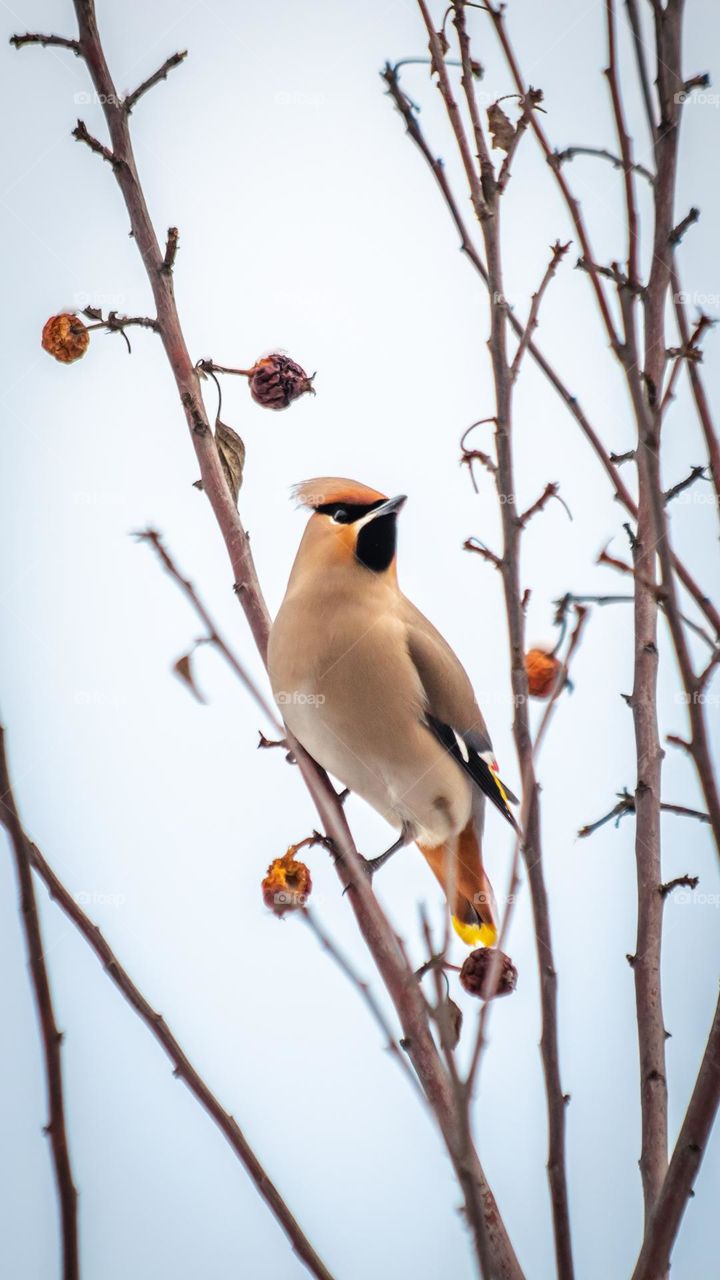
{"points": [[458, 866]]}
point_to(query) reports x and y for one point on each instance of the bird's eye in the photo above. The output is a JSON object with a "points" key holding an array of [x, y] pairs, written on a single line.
{"points": [[341, 515]]}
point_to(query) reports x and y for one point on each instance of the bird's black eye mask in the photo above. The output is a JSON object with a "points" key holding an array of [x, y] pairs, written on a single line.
{"points": [[348, 512]]}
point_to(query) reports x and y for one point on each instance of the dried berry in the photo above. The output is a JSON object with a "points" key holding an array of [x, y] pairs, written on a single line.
{"points": [[275, 381], [478, 978], [287, 884], [65, 337], [542, 671]]}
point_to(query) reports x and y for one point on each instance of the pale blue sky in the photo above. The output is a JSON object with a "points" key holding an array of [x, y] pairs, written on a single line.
{"points": [[308, 222]]}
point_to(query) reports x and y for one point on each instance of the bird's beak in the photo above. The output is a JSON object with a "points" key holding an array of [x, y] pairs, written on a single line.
{"points": [[389, 508]]}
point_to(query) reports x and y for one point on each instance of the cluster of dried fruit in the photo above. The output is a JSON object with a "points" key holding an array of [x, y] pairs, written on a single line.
{"points": [[274, 381]]}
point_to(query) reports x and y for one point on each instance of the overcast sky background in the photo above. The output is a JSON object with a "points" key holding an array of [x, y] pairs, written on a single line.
{"points": [[309, 222]]}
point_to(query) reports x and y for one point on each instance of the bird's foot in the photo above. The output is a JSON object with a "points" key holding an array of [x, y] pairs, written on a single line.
{"points": [[372, 865]]}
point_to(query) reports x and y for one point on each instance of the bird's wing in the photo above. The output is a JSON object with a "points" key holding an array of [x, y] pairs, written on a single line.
{"points": [[452, 712]]}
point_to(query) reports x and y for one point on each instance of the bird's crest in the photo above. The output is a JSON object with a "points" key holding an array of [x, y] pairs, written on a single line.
{"points": [[326, 489]]}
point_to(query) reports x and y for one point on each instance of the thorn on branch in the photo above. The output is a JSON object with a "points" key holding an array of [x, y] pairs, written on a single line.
{"points": [[161, 74], [619, 458], [701, 81], [171, 248], [81, 134], [696, 473], [689, 882], [550, 491], [474, 544], [678, 232], [468, 456]]}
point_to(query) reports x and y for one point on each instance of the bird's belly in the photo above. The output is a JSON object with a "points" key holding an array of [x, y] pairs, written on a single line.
{"points": [[404, 774]]}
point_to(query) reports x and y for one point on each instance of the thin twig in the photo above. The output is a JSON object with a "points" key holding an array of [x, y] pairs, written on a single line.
{"points": [[161, 74], [183, 1069], [557, 253], [365, 990], [56, 1128]]}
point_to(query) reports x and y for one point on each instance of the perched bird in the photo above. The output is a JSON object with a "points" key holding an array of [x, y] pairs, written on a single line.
{"points": [[376, 695]]}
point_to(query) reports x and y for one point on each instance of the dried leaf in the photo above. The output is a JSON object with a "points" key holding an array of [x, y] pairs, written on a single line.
{"points": [[183, 670], [501, 128], [232, 456], [451, 1013]]}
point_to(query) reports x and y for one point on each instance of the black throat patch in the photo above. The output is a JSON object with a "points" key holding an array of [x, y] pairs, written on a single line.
{"points": [[376, 543]]}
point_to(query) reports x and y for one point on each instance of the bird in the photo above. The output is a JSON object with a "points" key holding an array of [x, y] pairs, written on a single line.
{"points": [[372, 691]]}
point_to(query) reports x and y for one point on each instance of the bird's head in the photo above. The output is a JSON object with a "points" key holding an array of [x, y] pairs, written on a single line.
{"points": [[351, 524]]}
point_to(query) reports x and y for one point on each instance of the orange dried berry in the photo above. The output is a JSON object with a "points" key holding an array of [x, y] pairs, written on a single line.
{"points": [[65, 337], [542, 671], [287, 884], [478, 978], [276, 380]]}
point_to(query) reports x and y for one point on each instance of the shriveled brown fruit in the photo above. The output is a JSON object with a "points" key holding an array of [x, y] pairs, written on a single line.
{"points": [[65, 337], [477, 976], [542, 671], [287, 884], [276, 380]]}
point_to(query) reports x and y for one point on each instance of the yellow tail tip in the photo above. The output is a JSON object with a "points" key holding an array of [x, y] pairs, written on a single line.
{"points": [[475, 935]]}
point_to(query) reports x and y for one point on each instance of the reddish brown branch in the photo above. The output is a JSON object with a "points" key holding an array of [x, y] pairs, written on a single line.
{"points": [[487, 212], [626, 804], [183, 1069], [161, 74], [558, 252], [51, 1037], [609, 462], [60, 42], [676, 1189], [482, 1211]]}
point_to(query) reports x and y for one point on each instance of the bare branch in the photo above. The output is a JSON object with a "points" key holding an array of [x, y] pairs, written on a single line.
{"points": [[51, 1037], [696, 473], [81, 134], [183, 1069], [690, 1147], [474, 544], [558, 252], [365, 990], [161, 74], [626, 804], [550, 491], [601, 153], [60, 42]]}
